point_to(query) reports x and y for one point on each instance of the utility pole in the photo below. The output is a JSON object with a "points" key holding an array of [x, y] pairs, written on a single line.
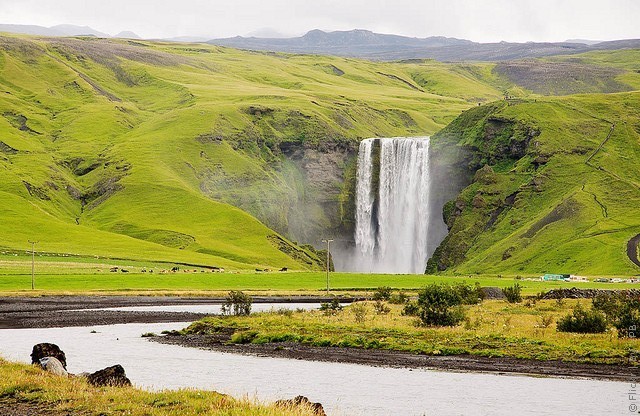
{"points": [[33, 263], [328, 241]]}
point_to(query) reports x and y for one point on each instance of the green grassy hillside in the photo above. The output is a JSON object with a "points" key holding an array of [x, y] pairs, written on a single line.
{"points": [[134, 149], [592, 72], [559, 190]]}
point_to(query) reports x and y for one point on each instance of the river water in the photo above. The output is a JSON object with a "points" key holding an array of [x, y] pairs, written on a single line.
{"points": [[343, 389]]}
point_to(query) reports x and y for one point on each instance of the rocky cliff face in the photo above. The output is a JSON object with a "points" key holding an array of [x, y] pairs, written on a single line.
{"points": [[319, 177]]}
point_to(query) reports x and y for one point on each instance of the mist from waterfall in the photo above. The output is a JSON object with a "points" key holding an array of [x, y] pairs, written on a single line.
{"points": [[392, 206]]}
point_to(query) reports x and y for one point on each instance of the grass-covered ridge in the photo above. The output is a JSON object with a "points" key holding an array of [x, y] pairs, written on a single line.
{"points": [[559, 190], [135, 149]]}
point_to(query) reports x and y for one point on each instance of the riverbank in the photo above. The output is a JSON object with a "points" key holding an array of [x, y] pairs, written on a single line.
{"points": [[399, 359], [26, 390], [65, 311], [496, 337]]}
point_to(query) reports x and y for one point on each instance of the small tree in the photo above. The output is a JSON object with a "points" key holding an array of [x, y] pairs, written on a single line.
{"points": [[237, 303], [513, 293]]}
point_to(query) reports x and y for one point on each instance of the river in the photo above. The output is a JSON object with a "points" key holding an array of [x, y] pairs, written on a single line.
{"points": [[343, 389]]}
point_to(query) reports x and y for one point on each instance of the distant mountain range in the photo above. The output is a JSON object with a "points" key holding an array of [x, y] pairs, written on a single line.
{"points": [[375, 46], [62, 30], [364, 44]]}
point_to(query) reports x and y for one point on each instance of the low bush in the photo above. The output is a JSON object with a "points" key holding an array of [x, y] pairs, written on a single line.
{"points": [[622, 311], [331, 308], [380, 308], [411, 309], [469, 295], [237, 303], [441, 305], [583, 321], [513, 294], [545, 321], [382, 293], [399, 298]]}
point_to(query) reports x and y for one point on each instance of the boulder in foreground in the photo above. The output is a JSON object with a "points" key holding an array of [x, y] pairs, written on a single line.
{"points": [[53, 365], [46, 349], [113, 376]]}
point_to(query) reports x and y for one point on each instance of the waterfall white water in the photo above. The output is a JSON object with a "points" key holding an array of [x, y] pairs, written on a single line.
{"points": [[365, 234], [392, 206]]}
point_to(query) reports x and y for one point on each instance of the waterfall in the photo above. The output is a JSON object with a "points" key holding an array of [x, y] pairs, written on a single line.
{"points": [[392, 206]]}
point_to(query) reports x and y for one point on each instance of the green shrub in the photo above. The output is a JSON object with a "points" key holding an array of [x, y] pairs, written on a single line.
{"points": [[469, 295], [441, 305], [440, 315], [622, 311], [411, 309], [331, 308], [513, 293], [382, 293], [399, 298], [237, 303], [583, 321]]}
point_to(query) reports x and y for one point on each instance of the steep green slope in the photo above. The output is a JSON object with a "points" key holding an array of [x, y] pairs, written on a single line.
{"points": [[136, 149], [558, 189]]}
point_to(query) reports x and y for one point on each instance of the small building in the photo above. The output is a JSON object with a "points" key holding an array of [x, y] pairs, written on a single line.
{"points": [[550, 277], [574, 278]]}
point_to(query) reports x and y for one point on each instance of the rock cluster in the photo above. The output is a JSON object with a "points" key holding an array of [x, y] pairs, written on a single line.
{"points": [[491, 292], [575, 293], [52, 359]]}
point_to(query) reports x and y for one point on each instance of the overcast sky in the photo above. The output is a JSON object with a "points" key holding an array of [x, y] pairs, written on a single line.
{"points": [[478, 20]]}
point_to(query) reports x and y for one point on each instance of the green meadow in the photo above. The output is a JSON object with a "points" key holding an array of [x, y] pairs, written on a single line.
{"points": [[81, 275]]}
